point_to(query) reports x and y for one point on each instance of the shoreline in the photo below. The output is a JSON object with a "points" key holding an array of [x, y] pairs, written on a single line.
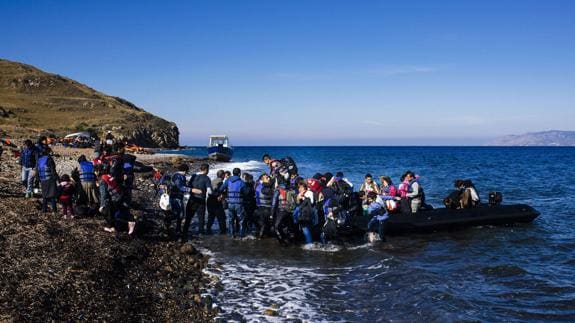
{"points": [[69, 270]]}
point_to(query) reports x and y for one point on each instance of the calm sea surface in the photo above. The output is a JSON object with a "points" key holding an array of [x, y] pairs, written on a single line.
{"points": [[519, 273]]}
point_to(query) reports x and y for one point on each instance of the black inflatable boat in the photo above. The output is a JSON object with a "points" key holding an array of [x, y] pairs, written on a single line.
{"points": [[447, 219]]}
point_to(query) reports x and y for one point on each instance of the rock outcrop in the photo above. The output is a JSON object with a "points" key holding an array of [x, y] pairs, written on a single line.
{"points": [[33, 102]]}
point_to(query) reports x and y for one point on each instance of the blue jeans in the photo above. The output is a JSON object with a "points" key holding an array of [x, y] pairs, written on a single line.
{"points": [[235, 211], [307, 234], [28, 179], [177, 211]]}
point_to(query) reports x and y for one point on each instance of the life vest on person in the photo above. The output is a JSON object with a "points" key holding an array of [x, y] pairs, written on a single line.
{"points": [[286, 200], [403, 189], [45, 172], [113, 188], [314, 185], [390, 190], [87, 172], [264, 195], [420, 190], [234, 187], [28, 157]]}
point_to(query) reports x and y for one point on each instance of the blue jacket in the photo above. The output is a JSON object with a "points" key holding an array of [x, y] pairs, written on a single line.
{"points": [[378, 211], [28, 157], [178, 186]]}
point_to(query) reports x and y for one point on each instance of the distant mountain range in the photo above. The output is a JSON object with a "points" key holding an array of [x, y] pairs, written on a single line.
{"points": [[544, 138]]}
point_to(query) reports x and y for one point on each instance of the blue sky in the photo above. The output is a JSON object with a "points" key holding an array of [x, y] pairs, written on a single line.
{"points": [[315, 72]]}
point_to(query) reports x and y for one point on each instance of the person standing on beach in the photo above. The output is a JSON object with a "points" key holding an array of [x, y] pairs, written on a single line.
{"points": [[67, 191], [46, 169], [176, 190], [215, 205], [200, 186], [233, 187], [110, 197], [88, 190], [28, 163]]}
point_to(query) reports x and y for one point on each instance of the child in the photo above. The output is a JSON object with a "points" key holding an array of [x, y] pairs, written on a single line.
{"points": [[67, 189]]}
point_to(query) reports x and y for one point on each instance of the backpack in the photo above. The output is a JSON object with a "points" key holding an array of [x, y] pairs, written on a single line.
{"points": [[291, 200]]}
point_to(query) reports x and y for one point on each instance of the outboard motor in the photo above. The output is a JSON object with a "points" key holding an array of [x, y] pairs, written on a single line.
{"points": [[495, 199]]}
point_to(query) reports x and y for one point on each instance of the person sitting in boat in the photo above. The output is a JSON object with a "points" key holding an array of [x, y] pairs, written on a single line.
{"points": [[369, 185], [453, 200], [341, 185], [403, 187], [470, 196], [387, 187], [379, 216], [414, 193]]}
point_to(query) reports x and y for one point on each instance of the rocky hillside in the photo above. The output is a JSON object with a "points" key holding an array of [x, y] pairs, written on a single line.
{"points": [[544, 138], [34, 102]]}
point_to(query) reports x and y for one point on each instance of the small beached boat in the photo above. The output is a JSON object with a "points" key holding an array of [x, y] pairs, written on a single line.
{"points": [[442, 219], [219, 148]]}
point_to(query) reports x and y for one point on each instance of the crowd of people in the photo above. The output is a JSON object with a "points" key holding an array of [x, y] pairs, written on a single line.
{"points": [[278, 203], [102, 184], [283, 204]]}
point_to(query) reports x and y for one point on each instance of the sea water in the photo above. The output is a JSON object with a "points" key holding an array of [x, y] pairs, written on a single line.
{"points": [[510, 273]]}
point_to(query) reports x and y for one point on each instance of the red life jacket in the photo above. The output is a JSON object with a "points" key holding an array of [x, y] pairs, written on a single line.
{"points": [[113, 187], [314, 185]]}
